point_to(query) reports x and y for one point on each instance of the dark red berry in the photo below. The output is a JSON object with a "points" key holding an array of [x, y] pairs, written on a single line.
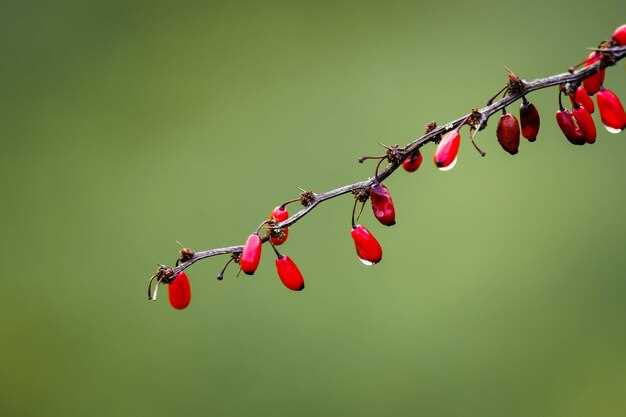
{"points": [[565, 119], [611, 111], [367, 247], [179, 291], [289, 273], [413, 161], [382, 205], [529, 118], [619, 36], [251, 254], [447, 150], [593, 82], [581, 97], [508, 133], [278, 237], [585, 123]]}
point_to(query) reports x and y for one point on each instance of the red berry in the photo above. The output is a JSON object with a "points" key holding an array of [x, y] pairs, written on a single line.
{"points": [[251, 254], [565, 120], [413, 161], [447, 150], [619, 36], [289, 273], [508, 133], [585, 123], [367, 247], [593, 82], [581, 97], [279, 237], [611, 111], [280, 214], [179, 291], [382, 205], [529, 117]]}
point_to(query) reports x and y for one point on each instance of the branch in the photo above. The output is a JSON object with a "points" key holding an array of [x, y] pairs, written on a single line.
{"points": [[477, 119]]}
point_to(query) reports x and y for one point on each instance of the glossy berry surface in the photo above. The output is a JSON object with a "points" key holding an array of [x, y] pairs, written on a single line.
{"points": [[251, 254], [508, 133], [593, 83], [280, 214], [367, 247], [529, 118], [289, 273], [611, 111], [581, 97], [179, 291], [619, 36], [565, 120], [585, 123], [447, 150], [413, 161], [382, 205]]}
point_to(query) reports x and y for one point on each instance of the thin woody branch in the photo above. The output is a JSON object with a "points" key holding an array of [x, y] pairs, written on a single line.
{"points": [[477, 119]]}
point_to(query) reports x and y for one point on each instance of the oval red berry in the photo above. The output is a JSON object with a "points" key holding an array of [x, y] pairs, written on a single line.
{"points": [[289, 273], [251, 254], [382, 205], [529, 117], [367, 247], [508, 133], [179, 291], [447, 150]]}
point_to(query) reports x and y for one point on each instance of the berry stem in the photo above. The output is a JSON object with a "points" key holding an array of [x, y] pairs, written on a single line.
{"points": [[220, 276], [365, 158], [278, 255], [497, 94], [472, 136]]}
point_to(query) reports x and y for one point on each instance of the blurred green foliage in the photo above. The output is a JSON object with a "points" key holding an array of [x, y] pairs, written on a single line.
{"points": [[129, 125]]}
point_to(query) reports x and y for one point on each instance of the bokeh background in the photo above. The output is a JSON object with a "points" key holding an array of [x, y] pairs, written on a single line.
{"points": [[129, 125]]}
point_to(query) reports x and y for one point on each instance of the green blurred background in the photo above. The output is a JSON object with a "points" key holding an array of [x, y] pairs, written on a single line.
{"points": [[129, 125]]}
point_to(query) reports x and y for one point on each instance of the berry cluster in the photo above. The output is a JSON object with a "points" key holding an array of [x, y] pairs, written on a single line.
{"points": [[576, 124]]}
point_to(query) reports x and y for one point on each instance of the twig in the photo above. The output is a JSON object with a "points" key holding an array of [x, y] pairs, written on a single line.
{"points": [[479, 119]]}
